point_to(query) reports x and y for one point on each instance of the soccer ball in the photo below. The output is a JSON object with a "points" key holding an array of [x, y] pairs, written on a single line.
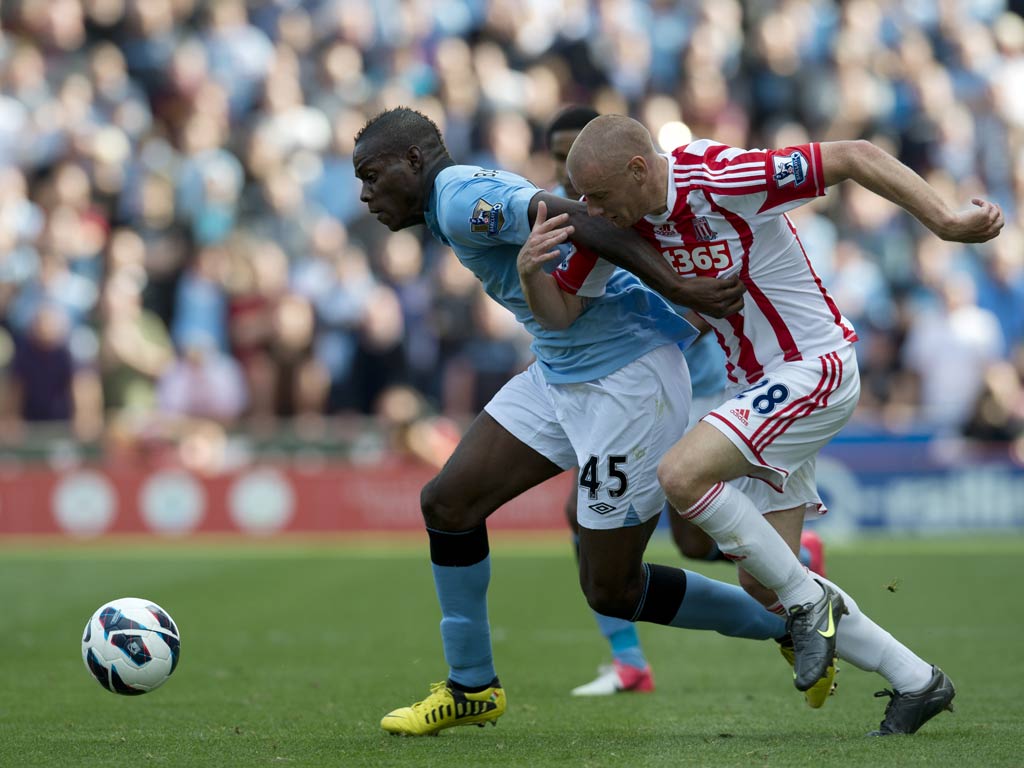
{"points": [[131, 646]]}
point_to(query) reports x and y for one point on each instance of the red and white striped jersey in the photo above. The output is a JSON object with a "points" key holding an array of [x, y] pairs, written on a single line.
{"points": [[725, 217]]}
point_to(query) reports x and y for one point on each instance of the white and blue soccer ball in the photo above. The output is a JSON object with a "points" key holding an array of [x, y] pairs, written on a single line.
{"points": [[131, 646]]}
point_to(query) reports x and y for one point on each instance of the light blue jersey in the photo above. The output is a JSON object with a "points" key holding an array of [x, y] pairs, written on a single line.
{"points": [[706, 361], [483, 215], [704, 357]]}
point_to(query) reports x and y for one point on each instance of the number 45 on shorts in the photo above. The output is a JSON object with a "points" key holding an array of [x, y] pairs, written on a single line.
{"points": [[589, 476]]}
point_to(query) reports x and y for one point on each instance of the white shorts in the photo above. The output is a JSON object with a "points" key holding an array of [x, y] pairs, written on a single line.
{"points": [[780, 424], [615, 429]]}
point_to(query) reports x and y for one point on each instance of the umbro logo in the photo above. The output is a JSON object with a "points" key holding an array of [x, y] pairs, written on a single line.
{"points": [[601, 508], [742, 415]]}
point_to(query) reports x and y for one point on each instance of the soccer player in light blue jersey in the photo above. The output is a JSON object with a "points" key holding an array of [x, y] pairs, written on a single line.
{"points": [[610, 396]]}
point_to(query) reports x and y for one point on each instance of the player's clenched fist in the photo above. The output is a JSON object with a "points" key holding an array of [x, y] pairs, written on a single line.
{"points": [[977, 224], [545, 237]]}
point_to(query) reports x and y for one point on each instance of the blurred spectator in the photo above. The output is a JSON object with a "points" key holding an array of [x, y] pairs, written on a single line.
{"points": [[209, 183], [951, 348], [380, 351], [191, 163], [118, 99], [204, 383], [149, 41], [340, 287], [47, 382], [401, 266], [53, 284], [43, 367], [301, 382], [413, 430], [135, 348], [272, 332], [239, 53], [1001, 286], [496, 352], [999, 414], [201, 308], [287, 219]]}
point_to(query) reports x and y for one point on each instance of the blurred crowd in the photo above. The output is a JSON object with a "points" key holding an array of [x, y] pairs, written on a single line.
{"points": [[183, 250]]}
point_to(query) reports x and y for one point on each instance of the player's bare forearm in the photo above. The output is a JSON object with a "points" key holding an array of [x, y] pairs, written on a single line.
{"points": [[625, 248], [697, 322], [551, 306], [877, 170]]}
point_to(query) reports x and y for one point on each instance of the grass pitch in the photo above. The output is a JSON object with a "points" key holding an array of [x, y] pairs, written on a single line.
{"points": [[291, 653]]}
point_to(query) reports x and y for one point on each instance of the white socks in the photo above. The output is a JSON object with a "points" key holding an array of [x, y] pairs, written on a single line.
{"points": [[744, 536], [869, 647]]}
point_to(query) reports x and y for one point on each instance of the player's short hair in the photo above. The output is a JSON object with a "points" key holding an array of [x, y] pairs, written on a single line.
{"points": [[572, 118], [393, 131]]}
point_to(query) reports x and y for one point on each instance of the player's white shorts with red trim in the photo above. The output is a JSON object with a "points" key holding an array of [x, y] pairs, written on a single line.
{"points": [[781, 422], [615, 429]]}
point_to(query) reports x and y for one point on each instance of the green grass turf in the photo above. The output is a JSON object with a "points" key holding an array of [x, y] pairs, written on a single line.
{"points": [[291, 653]]}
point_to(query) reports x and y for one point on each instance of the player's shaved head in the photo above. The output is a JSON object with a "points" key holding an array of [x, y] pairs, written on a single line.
{"points": [[606, 145], [613, 164]]}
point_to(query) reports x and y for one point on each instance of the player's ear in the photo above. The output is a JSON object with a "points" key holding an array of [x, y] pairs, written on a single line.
{"points": [[637, 169], [414, 157]]}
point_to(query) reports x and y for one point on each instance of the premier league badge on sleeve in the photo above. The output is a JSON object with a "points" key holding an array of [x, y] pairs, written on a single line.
{"points": [[791, 169], [487, 218]]}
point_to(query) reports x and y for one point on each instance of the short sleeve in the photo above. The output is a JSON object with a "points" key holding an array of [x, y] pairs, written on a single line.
{"points": [[482, 211], [752, 182], [583, 273], [794, 175]]}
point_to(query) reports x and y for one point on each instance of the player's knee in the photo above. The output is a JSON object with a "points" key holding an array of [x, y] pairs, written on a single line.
{"points": [[756, 589], [684, 477], [677, 483], [439, 513], [609, 598], [690, 540], [693, 547]]}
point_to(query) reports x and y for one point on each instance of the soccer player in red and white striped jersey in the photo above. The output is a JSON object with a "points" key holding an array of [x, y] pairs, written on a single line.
{"points": [[719, 211]]}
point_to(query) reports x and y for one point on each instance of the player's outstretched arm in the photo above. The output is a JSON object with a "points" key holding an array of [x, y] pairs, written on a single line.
{"points": [[625, 248], [551, 306], [877, 170]]}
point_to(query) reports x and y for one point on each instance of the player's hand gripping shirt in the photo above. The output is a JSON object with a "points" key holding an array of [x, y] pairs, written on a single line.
{"points": [[704, 358], [726, 217], [483, 215]]}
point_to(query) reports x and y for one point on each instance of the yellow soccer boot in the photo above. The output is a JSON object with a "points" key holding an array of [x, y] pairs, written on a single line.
{"points": [[446, 707], [817, 694]]}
